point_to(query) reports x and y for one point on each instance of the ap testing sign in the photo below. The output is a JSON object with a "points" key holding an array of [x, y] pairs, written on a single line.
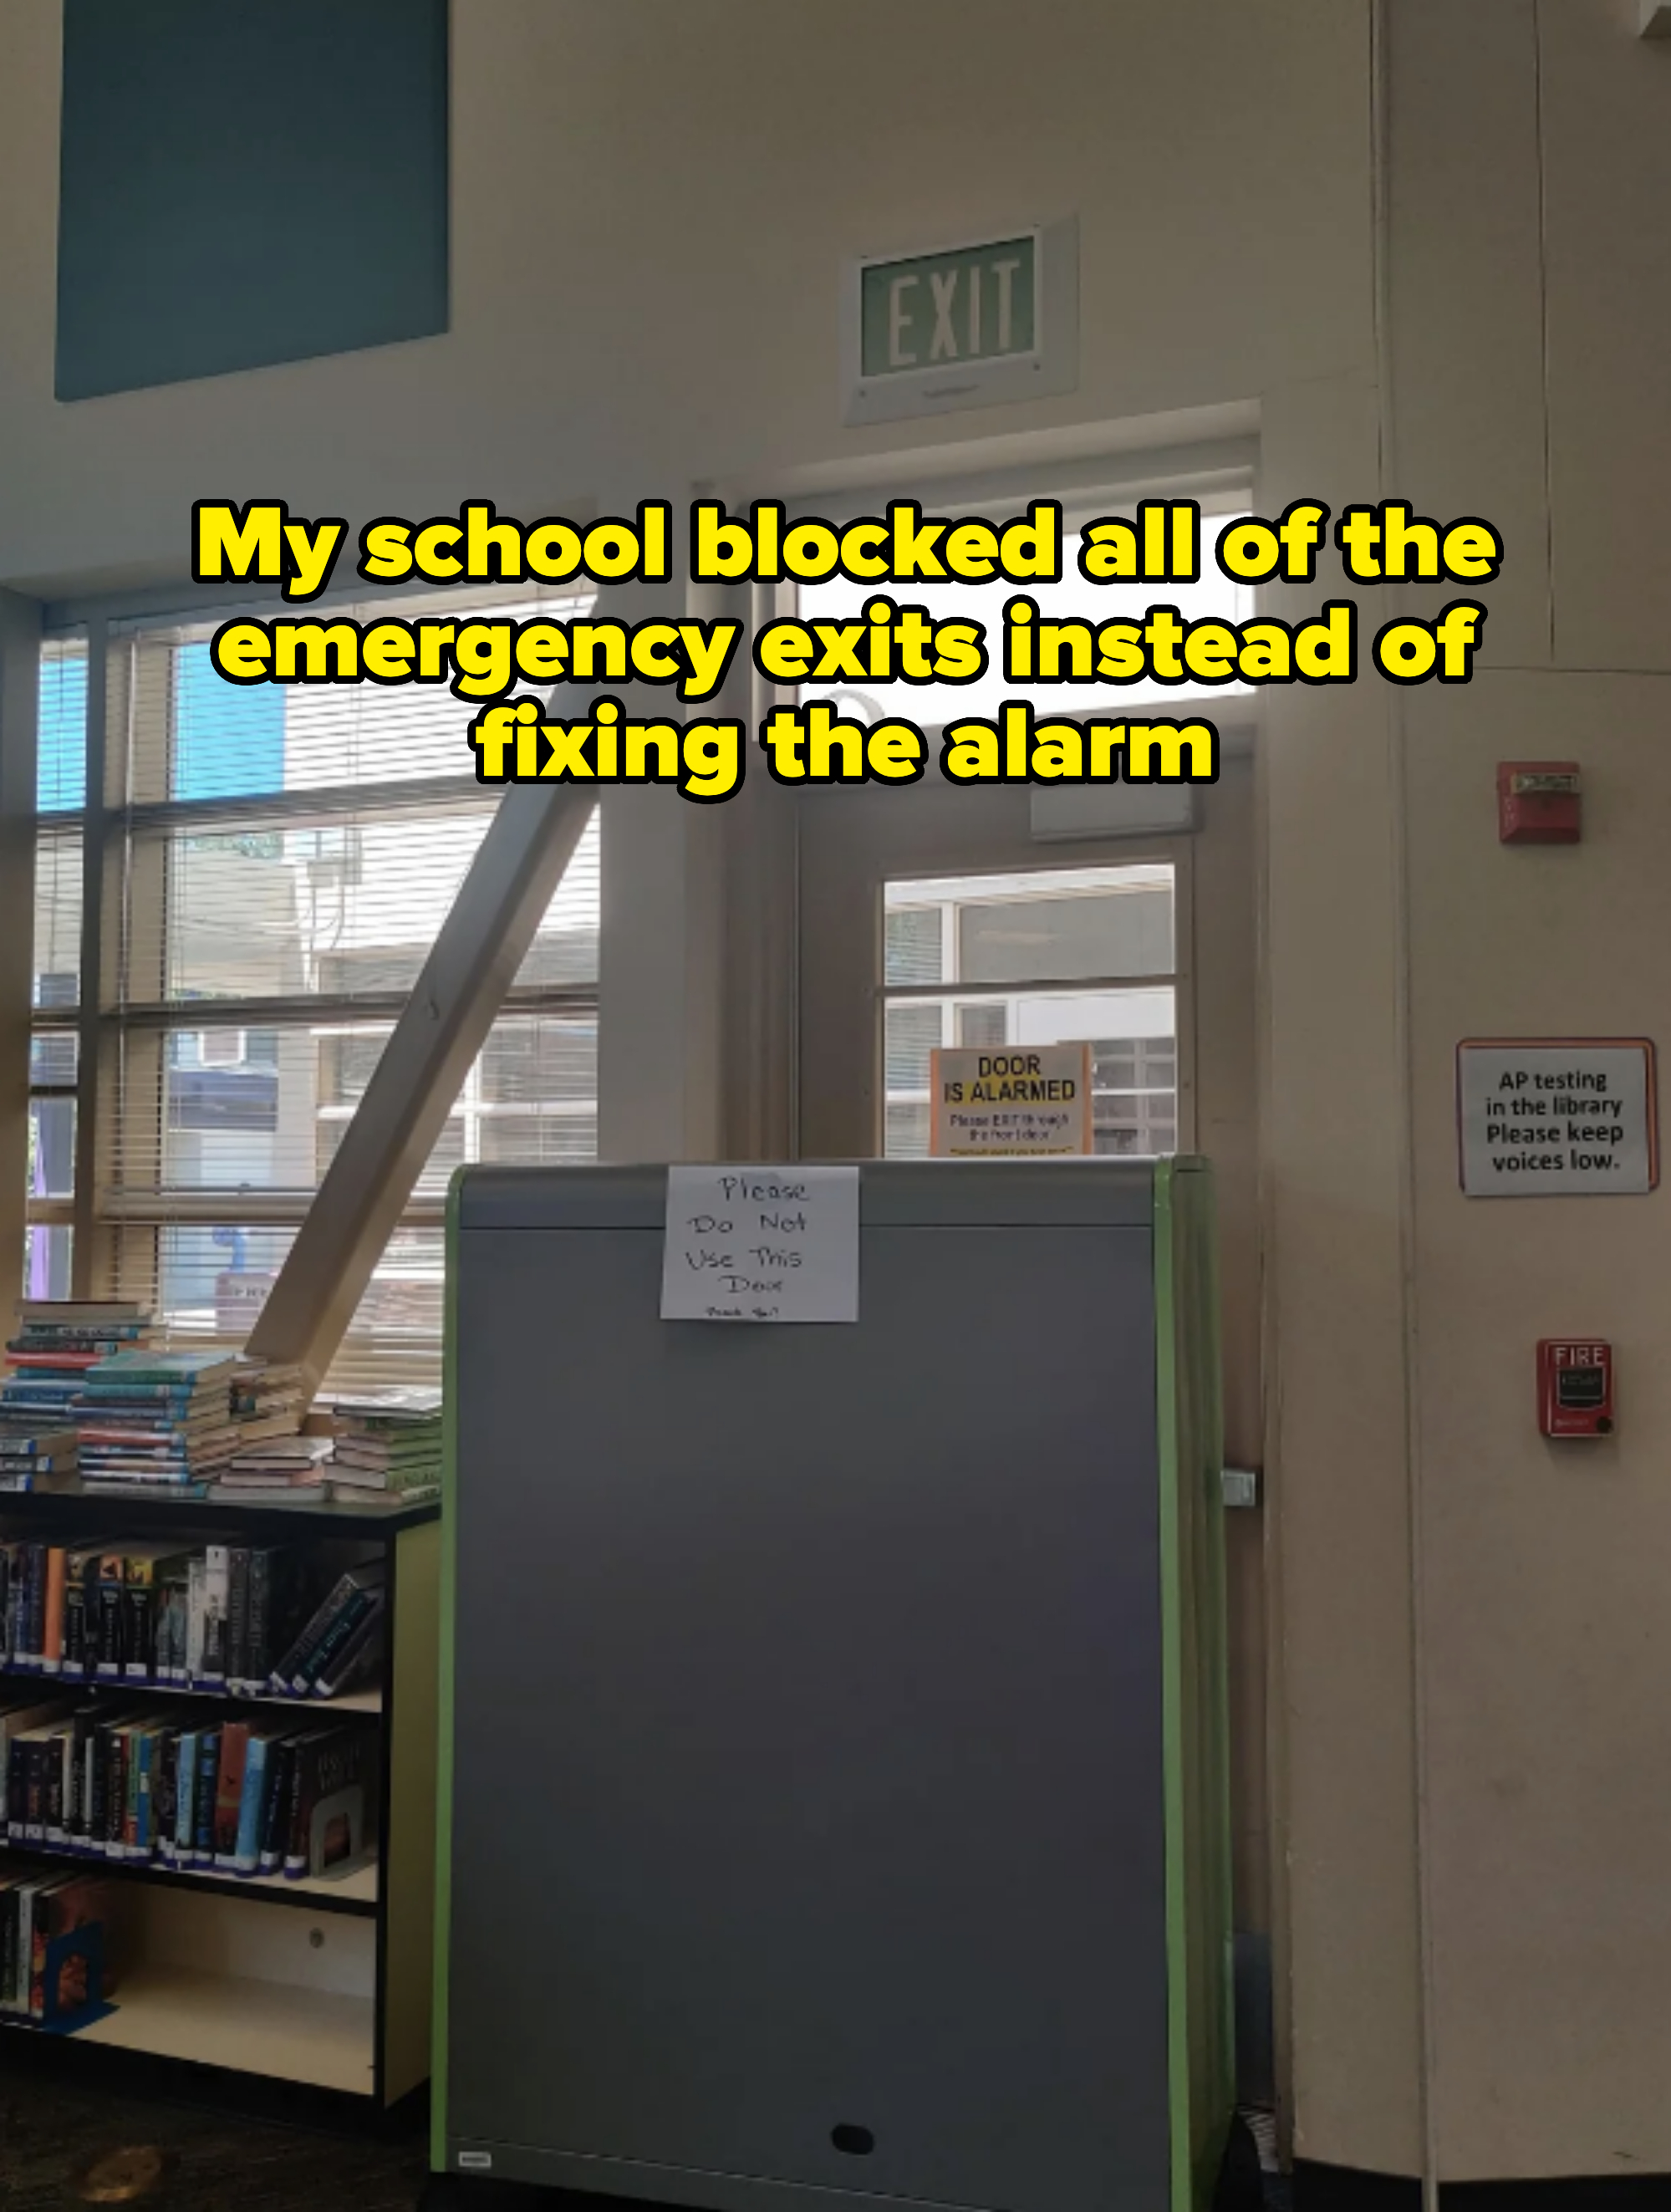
{"points": [[1552, 1117], [1028, 1101]]}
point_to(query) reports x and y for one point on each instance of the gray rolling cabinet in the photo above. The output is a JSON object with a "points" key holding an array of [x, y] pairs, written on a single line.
{"points": [[834, 1787]]}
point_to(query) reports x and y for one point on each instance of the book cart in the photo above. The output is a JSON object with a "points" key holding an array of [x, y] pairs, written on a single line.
{"points": [[318, 1983]]}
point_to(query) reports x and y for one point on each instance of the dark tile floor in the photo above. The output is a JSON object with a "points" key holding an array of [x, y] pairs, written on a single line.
{"points": [[55, 2122], [51, 2129]]}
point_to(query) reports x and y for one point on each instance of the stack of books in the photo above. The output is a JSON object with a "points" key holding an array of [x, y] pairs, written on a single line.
{"points": [[57, 1341], [283, 1470], [388, 1448], [154, 1420], [38, 1452], [267, 1400]]}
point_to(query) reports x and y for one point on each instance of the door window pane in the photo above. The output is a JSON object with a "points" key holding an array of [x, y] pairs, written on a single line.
{"points": [[1121, 933], [1008, 940]]}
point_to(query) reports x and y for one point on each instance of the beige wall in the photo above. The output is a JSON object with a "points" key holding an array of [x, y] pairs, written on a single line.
{"points": [[1532, 314], [647, 229], [1472, 1813], [1338, 1505]]}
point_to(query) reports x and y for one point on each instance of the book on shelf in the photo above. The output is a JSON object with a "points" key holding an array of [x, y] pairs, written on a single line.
{"points": [[374, 1500], [260, 1385], [55, 1358], [169, 1487], [144, 1416], [119, 1333], [75, 1313], [151, 1452], [282, 1454], [359, 1657], [118, 1420], [58, 1344], [245, 1478], [62, 1348], [280, 1463], [227, 1493], [23, 1477], [216, 1591], [26, 1437], [251, 1429], [52, 1951], [377, 1468], [357, 1593], [38, 1394], [267, 1399], [229, 1792], [389, 1450], [38, 1452], [182, 1371], [394, 1406], [332, 1802], [401, 1475], [259, 1749], [177, 1402]]}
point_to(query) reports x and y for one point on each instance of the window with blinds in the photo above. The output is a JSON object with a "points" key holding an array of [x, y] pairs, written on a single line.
{"points": [[61, 782], [276, 865]]}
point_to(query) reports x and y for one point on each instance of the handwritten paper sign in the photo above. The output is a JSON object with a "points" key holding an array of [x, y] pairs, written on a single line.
{"points": [[761, 1244]]}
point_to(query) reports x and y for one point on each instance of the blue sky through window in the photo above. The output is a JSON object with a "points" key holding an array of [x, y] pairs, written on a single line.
{"points": [[228, 741], [61, 757], [228, 738]]}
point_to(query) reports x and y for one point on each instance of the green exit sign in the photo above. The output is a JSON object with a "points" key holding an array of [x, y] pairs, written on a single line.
{"points": [[968, 325], [974, 304]]}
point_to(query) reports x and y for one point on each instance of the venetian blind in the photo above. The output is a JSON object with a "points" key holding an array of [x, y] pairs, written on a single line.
{"points": [[279, 863]]}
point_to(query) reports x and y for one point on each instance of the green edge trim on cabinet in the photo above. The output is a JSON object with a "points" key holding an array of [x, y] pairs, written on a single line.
{"points": [[1201, 1993], [444, 1715], [1177, 1941]]}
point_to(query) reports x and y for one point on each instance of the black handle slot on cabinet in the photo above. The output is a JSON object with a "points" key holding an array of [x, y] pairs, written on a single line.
{"points": [[859, 2143]]}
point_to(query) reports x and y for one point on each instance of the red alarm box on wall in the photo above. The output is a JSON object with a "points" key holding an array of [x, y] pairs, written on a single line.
{"points": [[1574, 1388], [1538, 802]]}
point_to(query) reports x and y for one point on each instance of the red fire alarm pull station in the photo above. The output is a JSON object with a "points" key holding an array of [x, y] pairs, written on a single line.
{"points": [[1538, 802], [1574, 1388]]}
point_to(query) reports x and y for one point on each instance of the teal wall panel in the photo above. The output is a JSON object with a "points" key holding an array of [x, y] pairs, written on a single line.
{"points": [[246, 184]]}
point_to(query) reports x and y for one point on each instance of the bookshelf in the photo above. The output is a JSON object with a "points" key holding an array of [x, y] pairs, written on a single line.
{"points": [[322, 1982]]}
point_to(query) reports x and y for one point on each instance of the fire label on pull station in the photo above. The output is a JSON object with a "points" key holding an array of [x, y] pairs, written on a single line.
{"points": [[1575, 1387]]}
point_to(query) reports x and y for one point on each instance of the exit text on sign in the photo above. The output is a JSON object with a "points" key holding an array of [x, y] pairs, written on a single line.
{"points": [[935, 309]]}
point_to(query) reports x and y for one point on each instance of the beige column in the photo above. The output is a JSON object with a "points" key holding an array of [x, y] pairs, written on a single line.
{"points": [[20, 686]]}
